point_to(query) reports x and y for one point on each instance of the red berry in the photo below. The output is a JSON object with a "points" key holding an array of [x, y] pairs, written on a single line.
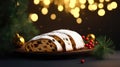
{"points": [[90, 43], [83, 37], [86, 45], [91, 40], [82, 61], [89, 47], [87, 39]]}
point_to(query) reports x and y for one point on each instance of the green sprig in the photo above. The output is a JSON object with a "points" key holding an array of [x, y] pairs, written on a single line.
{"points": [[103, 48]]}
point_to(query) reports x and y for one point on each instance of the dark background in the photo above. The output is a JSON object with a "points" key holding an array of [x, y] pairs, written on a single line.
{"points": [[92, 23]]}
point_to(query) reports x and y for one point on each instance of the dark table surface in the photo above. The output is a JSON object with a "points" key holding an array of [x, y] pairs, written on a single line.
{"points": [[18, 61]]}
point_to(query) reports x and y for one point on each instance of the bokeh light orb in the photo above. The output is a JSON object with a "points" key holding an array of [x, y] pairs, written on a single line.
{"points": [[101, 12], [36, 2], [79, 20], [33, 17], [44, 11], [60, 8], [53, 16]]}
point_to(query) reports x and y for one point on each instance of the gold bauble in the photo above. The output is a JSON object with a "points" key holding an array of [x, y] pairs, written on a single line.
{"points": [[19, 40], [91, 37]]}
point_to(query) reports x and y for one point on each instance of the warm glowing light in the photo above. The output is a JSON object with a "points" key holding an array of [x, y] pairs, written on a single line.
{"points": [[101, 12], [36, 2], [74, 6], [90, 1], [101, 1], [34, 17], [100, 5], [18, 3], [66, 1], [22, 40], [72, 3], [89, 7], [60, 8], [107, 0], [82, 1], [114, 5], [76, 15], [44, 11], [79, 20], [46, 2], [109, 7], [82, 6], [75, 12], [92, 7], [77, 9], [53, 16]]}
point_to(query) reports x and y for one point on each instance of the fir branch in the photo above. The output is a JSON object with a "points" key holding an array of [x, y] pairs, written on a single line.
{"points": [[103, 48]]}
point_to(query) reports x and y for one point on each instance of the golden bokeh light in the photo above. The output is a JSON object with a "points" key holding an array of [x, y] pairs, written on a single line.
{"points": [[72, 3], [100, 5], [53, 16], [33, 17], [109, 7], [74, 7], [101, 12], [89, 7], [75, 12], [107, 0], [44, 11], [79, 20], [114, 5], [101, 1], [77, 9], [76, 15], [90, 1], [92, 7], [82, 6], [82, 1], [60, 8], [36, 2], [46, 2]]}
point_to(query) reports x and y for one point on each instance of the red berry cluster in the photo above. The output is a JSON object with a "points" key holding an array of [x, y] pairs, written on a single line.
{"points": [[89, 43]]}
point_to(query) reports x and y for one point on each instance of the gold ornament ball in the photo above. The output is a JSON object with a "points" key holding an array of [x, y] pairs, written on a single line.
{"points": [[91, 36], [19, 40]]}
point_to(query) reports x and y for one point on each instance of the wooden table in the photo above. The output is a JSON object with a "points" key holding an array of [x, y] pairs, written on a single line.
{"points": [[66, 61]]}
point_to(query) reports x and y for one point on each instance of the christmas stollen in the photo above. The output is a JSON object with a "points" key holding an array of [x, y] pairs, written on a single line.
{"points": [[62, 40]]}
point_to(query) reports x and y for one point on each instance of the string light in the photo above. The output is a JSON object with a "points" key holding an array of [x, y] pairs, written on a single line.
{"points": [[36, 2], [100, 5], [101, 1], [114, 5], [53, 16], [82, 6], [74, 6], [44, 11], [82, 1], [79, 20], [60, 8], [107, 0], [101, 12], [33, 17]]}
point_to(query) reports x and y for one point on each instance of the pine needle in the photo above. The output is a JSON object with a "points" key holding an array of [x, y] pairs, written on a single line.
{"points": [[103, 48]]}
